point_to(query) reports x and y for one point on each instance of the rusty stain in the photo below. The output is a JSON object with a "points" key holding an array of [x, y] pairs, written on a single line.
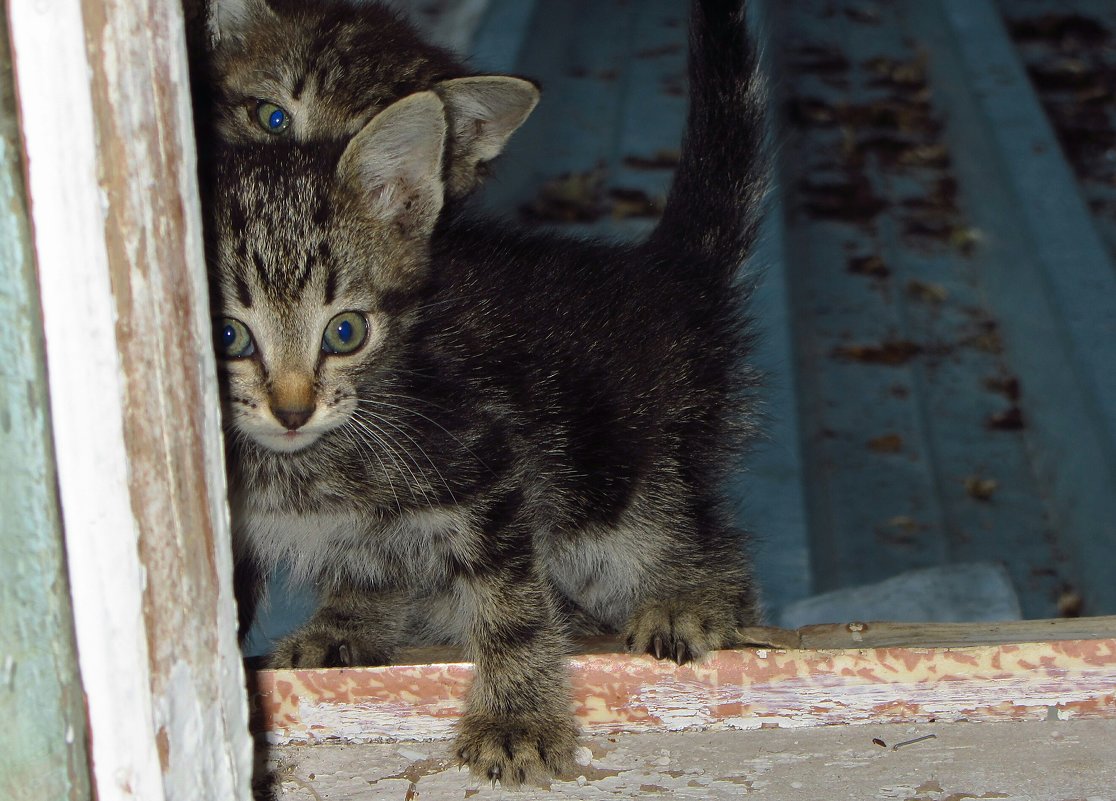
{"points": [[162, 744]]}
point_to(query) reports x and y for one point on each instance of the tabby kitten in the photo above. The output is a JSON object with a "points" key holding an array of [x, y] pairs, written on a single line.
{"points": [[320, 70], [464, 431]]}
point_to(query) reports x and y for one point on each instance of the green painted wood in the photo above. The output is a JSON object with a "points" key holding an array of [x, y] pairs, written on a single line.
{"points": [[42, 749]]}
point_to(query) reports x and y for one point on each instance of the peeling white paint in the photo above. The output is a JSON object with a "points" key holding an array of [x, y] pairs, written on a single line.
{"points": [[1017, 763], [86, 393], [379, 722]]}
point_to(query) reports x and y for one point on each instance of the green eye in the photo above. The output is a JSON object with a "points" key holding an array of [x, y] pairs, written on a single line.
{"points": [[233, 339], [272, 118], [345, 333]]}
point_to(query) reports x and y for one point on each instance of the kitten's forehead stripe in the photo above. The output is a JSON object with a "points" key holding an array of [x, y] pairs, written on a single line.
{"points": [[330, 284], [243, 291], [261, 268], [303, 276]]}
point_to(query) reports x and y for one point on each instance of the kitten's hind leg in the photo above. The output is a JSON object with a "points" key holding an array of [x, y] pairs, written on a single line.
{"points": [[689, 624], [354, 626], [698, 596]]}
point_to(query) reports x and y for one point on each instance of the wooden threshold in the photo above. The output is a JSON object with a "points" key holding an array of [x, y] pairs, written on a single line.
{"points": [[821, 675]]}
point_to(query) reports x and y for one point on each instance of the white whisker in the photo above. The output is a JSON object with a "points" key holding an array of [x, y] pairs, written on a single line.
{"points": [[399, 427], [393, 449]]}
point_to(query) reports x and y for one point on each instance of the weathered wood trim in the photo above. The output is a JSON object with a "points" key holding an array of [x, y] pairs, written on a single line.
{"points": [[945, 635], [40, 690], [108, 136], [730, 690]]}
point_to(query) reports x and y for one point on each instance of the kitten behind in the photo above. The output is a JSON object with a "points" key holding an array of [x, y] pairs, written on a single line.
{"points": [[318, 70]]}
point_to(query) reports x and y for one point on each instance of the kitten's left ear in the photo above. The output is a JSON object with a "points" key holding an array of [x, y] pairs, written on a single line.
{"points": [[394, 164], [234, 17], [484, 112]]}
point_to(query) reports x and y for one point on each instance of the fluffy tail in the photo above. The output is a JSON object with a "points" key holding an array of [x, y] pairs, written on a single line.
{"points": [[713, 209]]}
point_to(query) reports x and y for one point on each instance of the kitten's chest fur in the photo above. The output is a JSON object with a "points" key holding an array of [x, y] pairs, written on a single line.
{"points": [[353, 545]]}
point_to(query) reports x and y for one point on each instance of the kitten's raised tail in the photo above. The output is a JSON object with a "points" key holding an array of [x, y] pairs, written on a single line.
{"points": [[713, 208]]}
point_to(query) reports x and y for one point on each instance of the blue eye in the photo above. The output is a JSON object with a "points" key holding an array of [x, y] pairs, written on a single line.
{"points": [[345, 333], [233, 339], [271, 117]]}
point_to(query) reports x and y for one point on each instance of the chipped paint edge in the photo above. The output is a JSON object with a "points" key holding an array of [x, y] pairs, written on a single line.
{"points": [[732, 690]]}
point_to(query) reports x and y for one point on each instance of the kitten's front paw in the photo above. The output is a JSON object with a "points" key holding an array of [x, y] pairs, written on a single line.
{"points": [[679, 631], [326, 648], [514, 751]]}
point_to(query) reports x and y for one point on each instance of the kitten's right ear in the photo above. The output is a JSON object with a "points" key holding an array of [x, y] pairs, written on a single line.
{"points": [[394, 164], [234, 17], [485, 110]]}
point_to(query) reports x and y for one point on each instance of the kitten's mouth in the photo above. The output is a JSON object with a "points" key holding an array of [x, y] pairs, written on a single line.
{"points": [[288, 441]]}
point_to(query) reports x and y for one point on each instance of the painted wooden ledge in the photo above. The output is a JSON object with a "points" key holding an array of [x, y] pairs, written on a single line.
{"points": [[743, 689]]}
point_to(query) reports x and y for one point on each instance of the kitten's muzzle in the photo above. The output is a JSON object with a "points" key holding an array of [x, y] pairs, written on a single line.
{"points": [[292, 400]]}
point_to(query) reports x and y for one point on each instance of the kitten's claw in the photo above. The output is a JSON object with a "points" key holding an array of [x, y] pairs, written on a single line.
{"points": [[310, 647], [515, 752], [671, 630]]}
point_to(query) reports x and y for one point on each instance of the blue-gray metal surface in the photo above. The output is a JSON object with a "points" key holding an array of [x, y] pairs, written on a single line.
{"points": [[958, 402]]}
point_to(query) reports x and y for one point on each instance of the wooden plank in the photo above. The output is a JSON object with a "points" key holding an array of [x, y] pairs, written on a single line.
{"points": [[948, 635], [105, 109], [40, 690], [1016, 762], [731, 690]]}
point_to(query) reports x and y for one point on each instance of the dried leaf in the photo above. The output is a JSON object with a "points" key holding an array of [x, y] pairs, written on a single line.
{"points": [[887, 443], [925, 156], [627, 203], [572, 197], [661, 160], [927, 292], [1008, 386], [1070, 603], [1011, 419], [872, 266], [965, 239], [891, 354], [981, 488]]}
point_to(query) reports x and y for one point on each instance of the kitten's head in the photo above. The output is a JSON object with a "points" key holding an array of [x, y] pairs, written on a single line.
{"points": [[317, 257], [320, 70]]}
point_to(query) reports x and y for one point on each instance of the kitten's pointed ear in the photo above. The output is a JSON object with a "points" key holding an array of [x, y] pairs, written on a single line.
{"points": [[234, 17], [395, 163], [484, 112]]}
